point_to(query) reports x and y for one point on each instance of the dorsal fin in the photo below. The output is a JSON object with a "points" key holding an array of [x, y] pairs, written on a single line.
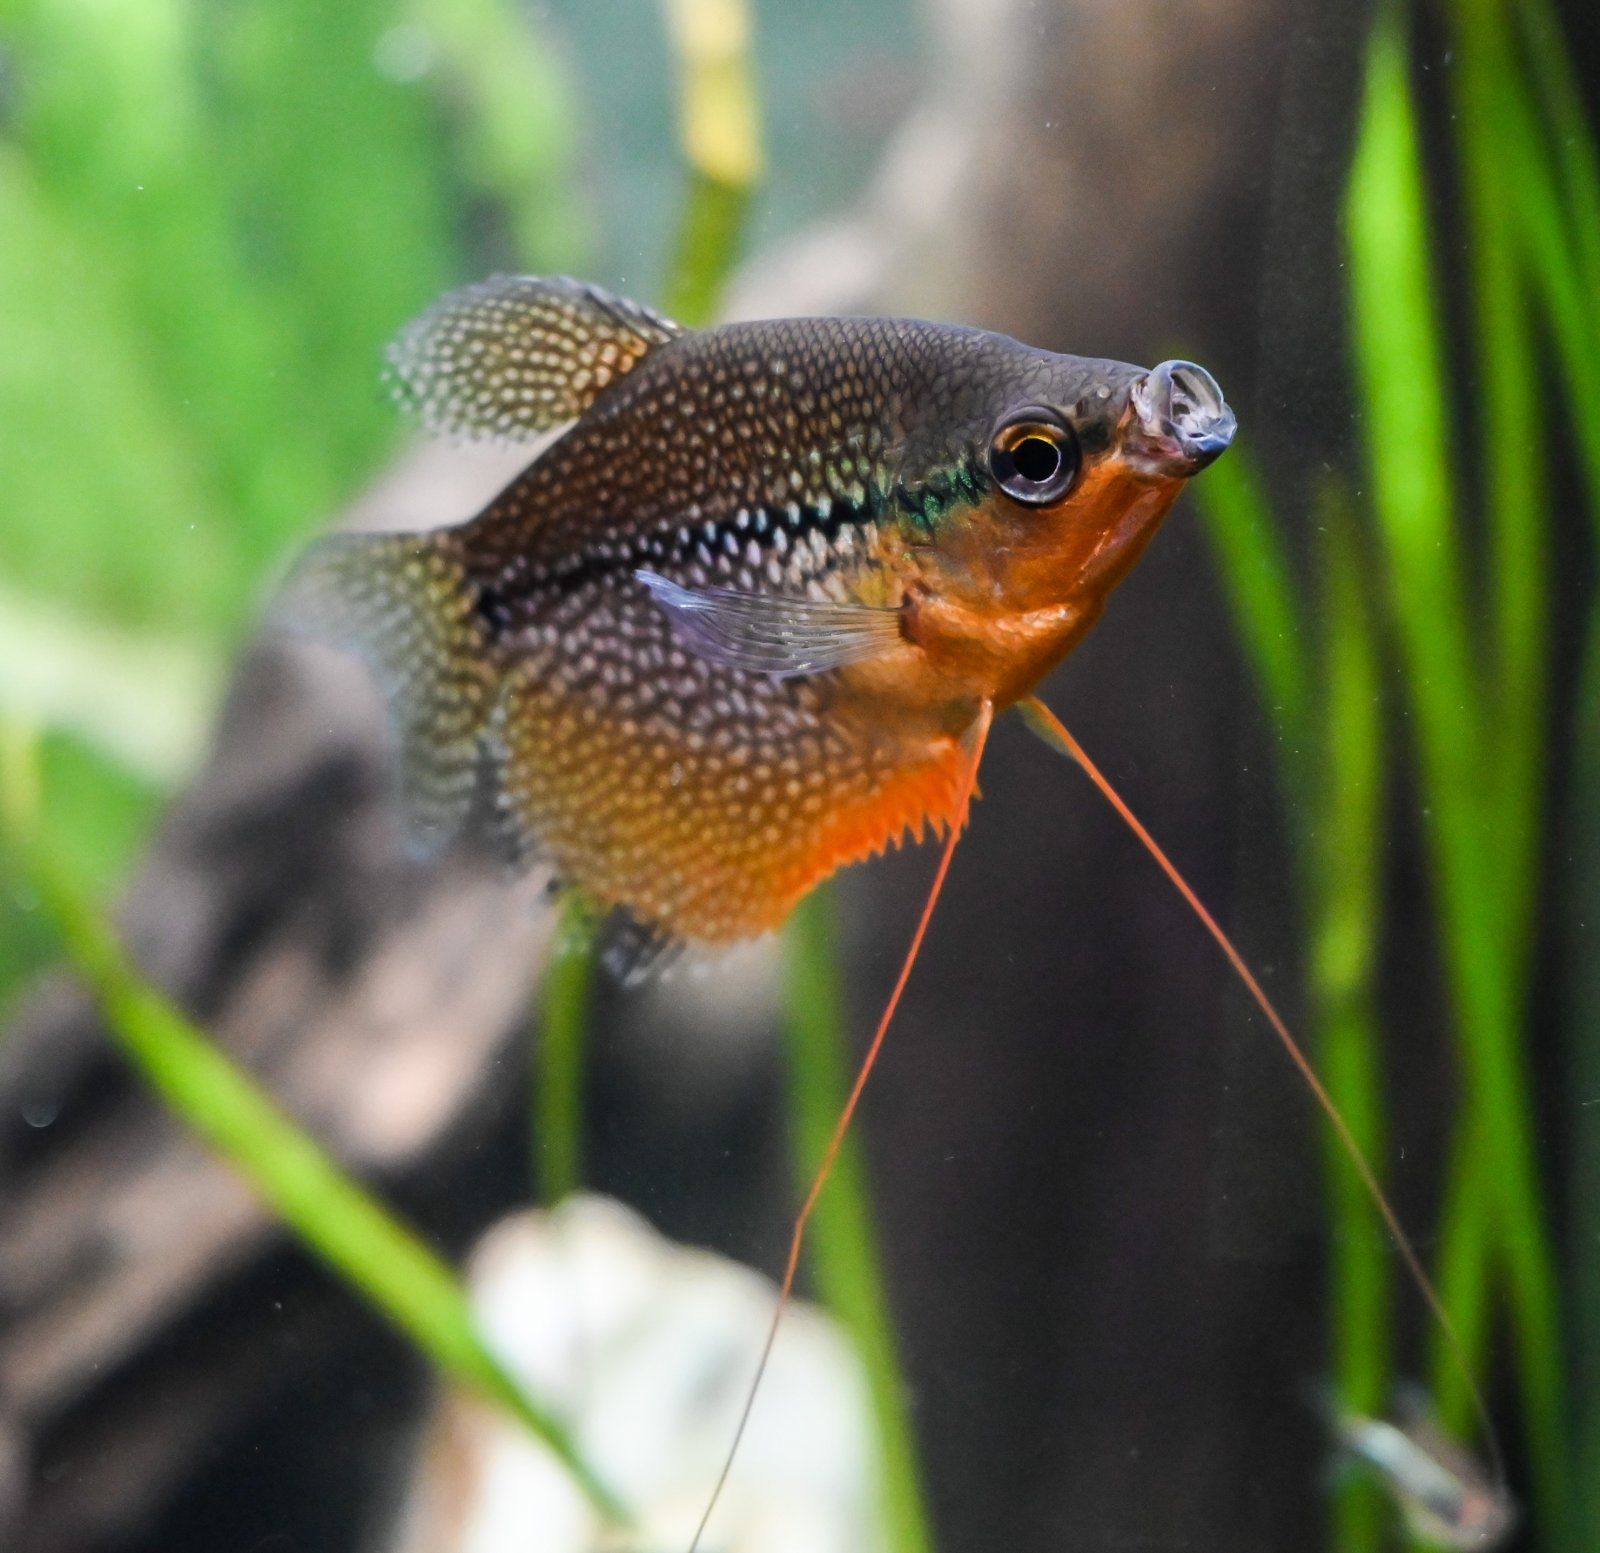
{"points": [[516, 355]]}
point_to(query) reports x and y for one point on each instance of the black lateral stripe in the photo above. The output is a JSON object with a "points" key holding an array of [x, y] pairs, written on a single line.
{"points": [[682, 542]]}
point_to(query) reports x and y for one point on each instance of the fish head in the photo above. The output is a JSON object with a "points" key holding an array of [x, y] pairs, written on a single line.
{"points": [[1081, 471], [1077, 461]]}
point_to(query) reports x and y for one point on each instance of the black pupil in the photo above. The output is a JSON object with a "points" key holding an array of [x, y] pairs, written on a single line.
{"points": [[1037, 459]]}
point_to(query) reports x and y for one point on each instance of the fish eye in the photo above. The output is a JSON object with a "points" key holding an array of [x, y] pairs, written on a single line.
{"points": [[1034, 456]]}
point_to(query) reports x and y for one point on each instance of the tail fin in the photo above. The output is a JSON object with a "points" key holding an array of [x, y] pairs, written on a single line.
{"points": [[404, 604]]}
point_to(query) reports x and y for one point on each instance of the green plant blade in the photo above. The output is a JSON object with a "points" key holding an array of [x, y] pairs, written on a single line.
{"points": [[1262, 597], [843, 1243], [334, 1217], [565, 1001], [1345, 914], [1400, 369]]}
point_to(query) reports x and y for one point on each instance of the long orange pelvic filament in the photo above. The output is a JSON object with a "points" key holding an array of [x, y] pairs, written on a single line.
{"points": [[969, 781], [1050, 727], [1054, 732]]}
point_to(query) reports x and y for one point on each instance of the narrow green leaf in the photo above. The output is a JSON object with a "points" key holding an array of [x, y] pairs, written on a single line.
{"points": [[565, 1002], [1261, 592], [1557, 187], [1402, 375], [843, 1241], [1581, 943], [720, 136], [1345, 912], [1511, 442], [333, 1216], [1572, 142], [1551, 251], [708, 247]]}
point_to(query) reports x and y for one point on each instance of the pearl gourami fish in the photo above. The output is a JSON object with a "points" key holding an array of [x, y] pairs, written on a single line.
{"points": [[748, 618], [735, 628]]}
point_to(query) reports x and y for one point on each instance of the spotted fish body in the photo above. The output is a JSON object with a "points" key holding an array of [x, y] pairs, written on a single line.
{"points": [[732, 630]]}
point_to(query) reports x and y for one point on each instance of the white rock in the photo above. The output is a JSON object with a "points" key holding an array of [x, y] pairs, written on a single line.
{"points": [[646, 1349]]}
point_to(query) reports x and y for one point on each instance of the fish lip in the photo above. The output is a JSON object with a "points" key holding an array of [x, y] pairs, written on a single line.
{"points": [[1181, 422]]}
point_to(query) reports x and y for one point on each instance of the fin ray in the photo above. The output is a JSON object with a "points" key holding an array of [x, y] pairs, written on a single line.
{"points": [[517, 355], [771, 634]]}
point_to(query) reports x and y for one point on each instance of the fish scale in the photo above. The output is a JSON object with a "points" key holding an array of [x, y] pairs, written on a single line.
{"points": [[698, 796], [733, 629]]}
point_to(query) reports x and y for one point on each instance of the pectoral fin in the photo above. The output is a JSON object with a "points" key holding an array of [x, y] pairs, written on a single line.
{"points": [[770, 634], [516, 355]]}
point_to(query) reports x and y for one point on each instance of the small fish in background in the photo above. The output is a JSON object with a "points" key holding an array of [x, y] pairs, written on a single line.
{"points": [[1446, 1495], [746, 621]]}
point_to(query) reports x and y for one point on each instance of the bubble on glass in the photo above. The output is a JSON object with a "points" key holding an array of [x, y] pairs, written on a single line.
{"points": [[40, 1112]]}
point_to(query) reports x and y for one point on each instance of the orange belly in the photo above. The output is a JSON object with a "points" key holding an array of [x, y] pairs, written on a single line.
{"points": [[715, 836]]}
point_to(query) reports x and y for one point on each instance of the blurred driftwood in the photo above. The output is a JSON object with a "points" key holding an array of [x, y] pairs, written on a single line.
{"points": [[1094, 176], [372, 993]]}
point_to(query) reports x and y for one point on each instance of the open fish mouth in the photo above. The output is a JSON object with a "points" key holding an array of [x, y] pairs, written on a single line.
{"points": [[1181, 420]]}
